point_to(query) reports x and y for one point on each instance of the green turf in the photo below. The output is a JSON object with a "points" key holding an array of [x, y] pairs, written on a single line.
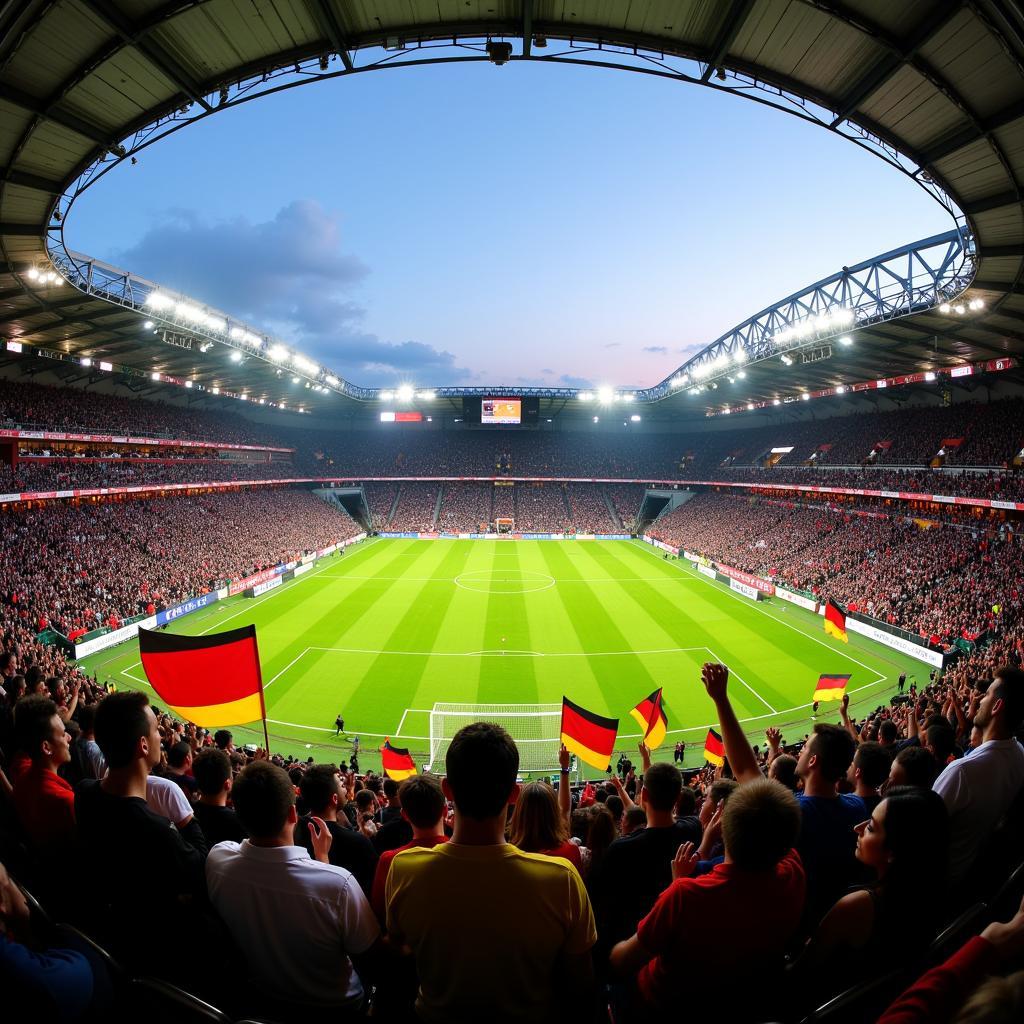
{"points": [[394, 626]]}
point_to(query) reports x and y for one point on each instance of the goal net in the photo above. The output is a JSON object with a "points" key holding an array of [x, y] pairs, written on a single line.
{"points": [[536, 728]]}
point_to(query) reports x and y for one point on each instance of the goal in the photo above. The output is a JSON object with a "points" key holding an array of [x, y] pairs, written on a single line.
{"points": [[536, 728], [504, 524]]}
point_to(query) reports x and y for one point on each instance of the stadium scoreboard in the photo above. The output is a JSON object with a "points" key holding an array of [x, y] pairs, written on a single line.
{"points": [[503, 411]]}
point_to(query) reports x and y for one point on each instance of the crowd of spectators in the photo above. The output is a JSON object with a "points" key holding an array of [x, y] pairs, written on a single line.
{"points": [[309, 889], [465, 508], [417, 508], [380, 500], [542, 508], [75, 568], [938, 580]]}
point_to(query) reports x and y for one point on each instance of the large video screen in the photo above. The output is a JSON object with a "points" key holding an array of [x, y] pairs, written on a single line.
{"points": [[501, 410]]}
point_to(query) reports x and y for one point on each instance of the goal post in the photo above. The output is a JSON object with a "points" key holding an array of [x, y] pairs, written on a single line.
{"points": [[536, 729]]}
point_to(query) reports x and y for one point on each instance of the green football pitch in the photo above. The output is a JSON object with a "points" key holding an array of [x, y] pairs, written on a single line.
{"points": [[396, 626]]}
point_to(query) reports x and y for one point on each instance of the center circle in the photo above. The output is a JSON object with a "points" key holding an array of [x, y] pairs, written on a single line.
{"points": [[504, 581]]}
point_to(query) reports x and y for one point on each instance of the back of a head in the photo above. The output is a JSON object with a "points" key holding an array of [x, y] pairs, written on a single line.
{"points": [[422, 800], [179, 754], [263, 795], [874, 763], [481, 768], [941, 740], [317, 785], [633, 819], [686, 805], [1009, 683], [662, 785], [86, 716], [887, 731], [211, 769], [722, 789], [537, 823], [917, 837], [995, 1001], [783, 771], [760, 824], [33, 723], [390, 789], [222, 738], [121, 721], [917, 767], [833, 748], [615, 806]]}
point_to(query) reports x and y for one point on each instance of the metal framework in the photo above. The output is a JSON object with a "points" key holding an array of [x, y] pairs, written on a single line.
{"points": [[905, 281], [911, 279]]}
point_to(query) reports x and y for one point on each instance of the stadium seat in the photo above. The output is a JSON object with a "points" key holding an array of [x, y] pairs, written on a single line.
{"points": [[955, 934], [1007, 901], [109, 978], [862, 1002], [42, 923], [160, 1002]]}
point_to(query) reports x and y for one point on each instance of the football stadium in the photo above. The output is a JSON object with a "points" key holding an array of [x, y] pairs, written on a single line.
{"points": [[680, 673]]}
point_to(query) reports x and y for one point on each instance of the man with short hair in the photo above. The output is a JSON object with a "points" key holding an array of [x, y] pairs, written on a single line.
{"points": [[979, 788], [423, 807], [644, 856], [321, 792], [179, 767], [220, 824], [498, 934], [912, 766], [92, 764], [113, 817], [223, 740], [827, 840], [298, 920], [744, 910], [45, 803], [868, 770]]}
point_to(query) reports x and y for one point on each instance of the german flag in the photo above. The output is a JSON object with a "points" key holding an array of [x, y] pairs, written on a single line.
{"points": [[397, 762], [835, 622], [650, 715], [714, 749], [590, 737], [830, 687], [212, 681]]}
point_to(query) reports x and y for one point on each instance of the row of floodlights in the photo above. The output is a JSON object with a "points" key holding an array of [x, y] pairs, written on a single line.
{"points": [[606, 396], [47, 277], [960, 308], [276, 353]]}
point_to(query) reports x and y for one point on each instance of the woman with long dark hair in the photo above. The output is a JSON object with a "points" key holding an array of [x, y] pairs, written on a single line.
{"points": [[904, 847], [538, 825]]}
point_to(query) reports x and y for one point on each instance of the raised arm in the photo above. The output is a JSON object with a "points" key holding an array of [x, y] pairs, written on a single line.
{"points": [[564, 796], [844, 711], [715, 678]]}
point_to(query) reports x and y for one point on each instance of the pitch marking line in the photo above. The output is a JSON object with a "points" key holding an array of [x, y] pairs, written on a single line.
{"points": [[796, 629], [732, 672], [502, 653], [446, 580]]}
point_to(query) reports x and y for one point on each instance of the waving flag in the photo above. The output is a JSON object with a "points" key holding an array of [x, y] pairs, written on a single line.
{"points": [[650, 715], [835, 622], [590, 737], [830, 687], [714, 749], [397, 762], [212, 680]]}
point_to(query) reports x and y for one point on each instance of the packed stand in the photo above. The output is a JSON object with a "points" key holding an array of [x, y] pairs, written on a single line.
{"points": [[465, 508], [589, 510], [56, 561], [416, 509], [541, 508], [626, 499], [380, 500]]}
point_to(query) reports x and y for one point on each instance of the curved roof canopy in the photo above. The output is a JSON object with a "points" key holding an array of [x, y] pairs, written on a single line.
{"points": [[935, 88]]}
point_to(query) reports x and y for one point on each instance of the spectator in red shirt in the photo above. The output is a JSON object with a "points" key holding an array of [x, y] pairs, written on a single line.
{"points": [[539, 827], [44, 801], [744, 910], [423, 807]]}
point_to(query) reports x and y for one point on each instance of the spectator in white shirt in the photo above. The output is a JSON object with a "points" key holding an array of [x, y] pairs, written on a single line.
{"points": [[979, 789], [297, 920]]}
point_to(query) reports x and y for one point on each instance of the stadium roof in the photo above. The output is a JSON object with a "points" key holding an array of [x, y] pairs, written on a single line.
{"points": [[935, 88]]}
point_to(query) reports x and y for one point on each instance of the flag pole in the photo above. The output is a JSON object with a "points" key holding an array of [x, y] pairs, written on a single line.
{"points": [[263, 706]]}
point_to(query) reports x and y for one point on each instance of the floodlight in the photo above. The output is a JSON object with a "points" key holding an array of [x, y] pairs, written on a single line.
{"points": [[427, 396], [840, 390], [244, 398], [278, 353], [605, 395], [742, 375], [106, 366], [846, 340], [750, 406], [155, 375], [775, 401], [976, 304], [33, 274], [634, 418], [596, 419], [386, 396], [236, 356], [961, 309], [332, 380], [86, 361], [806, 397], [498, 53], [945, 308], [295, 380], [740, 356], [216, 391], [930, 375], [148, 324], [188, 383], [405, 392], [584, 396]]}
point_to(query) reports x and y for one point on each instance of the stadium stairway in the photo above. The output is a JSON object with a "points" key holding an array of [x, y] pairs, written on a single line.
{"points": [[568, 505], [437, 506], [394, 507]]}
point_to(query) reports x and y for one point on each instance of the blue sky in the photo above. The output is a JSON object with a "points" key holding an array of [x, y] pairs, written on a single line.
{"points": [[528, 224]]}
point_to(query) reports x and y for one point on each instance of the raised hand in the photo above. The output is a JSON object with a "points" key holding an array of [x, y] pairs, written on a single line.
{"points": [[684, 863], [715, 678], [564, 757], [320, 837], [774, 737]]}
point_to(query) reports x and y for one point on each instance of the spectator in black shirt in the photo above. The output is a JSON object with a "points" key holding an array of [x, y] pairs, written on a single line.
{"points": [[137, 848], [644, 857], [179, 767], [321, 792], [212, 770]]}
